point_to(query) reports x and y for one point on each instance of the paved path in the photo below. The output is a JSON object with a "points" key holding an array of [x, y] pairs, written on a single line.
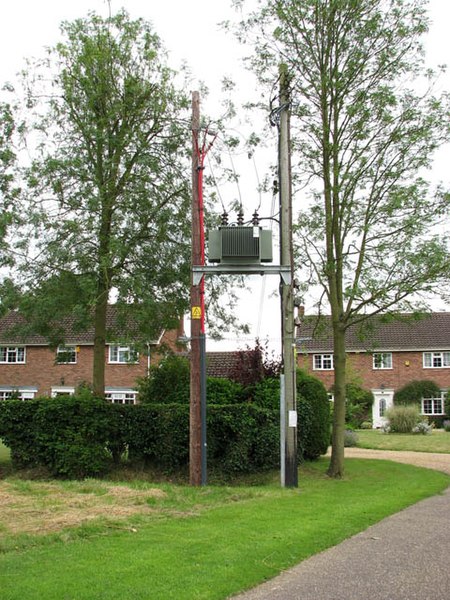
{"points": [[403, 557]]}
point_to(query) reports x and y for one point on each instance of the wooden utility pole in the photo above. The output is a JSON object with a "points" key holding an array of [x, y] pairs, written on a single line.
{"points": [[289, 411], [195, 429]]}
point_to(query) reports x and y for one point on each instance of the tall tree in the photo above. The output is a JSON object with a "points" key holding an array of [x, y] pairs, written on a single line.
{"points": [[8, 190], [107, 183], [367, 124]]}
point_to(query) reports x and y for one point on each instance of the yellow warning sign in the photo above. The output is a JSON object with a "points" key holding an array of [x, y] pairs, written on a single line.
{"points": [[196, 312]]}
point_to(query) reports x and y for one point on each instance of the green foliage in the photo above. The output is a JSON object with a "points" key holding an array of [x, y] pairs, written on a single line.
{"points": [[224, 391], [266, 393], [358, 405], [368, 236], [68, 435], [167, 383], [158, 434], [358, 395], [243, 438], [80, 436], [107, 183], [447, 404], [17, 430], [72, 435], [402, 419], [313, 409], [10, 211], [413, 392]]}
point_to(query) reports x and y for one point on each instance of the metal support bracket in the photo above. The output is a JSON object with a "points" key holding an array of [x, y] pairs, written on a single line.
{"points": [[284, 271]]}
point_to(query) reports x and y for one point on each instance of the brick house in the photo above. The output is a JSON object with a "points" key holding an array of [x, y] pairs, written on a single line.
{"points": [[383, 357], [29, 367]]}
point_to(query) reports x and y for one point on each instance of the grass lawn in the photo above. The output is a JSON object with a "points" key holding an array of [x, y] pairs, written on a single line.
{"points": [[4, 453], [191, 543], [437, 441]]}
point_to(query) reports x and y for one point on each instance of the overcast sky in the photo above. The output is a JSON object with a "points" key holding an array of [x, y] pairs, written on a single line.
{"points": [[191, 33]]}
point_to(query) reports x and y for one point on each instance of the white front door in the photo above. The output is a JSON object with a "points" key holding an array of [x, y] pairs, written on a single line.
{"points": [[383, 399]]}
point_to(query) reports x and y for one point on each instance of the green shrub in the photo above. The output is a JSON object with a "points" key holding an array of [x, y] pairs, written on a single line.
{"points": [[402, 419], [366, 425], [313, 409], [167, 383], [266, 393], [158, 434], [243, 438], [223, 391], [413, 392], [72, 434], [446, 425], [17, 431], [358, 404]]}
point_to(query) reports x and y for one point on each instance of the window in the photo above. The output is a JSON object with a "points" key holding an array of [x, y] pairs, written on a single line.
{"points": [[323, 361], [433, 406], [62, 391], [66, 355], [12, 354], [382, 360], [436, 360], [121, 397], [16, 395], [122, 354]]}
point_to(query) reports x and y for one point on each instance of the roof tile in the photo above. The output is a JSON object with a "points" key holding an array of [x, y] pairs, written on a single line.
{"points": [[431, 332]]}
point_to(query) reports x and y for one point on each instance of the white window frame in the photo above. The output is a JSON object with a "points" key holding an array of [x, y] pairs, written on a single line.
{"points": [[121, 397], [62, 390], [428, 406], [430, 360], [70, 349], [122, 355], [24, 395], [384, 360], [13, 351], [320, 360]]}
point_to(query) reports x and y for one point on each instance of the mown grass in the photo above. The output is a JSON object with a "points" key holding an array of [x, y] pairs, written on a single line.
{"points": [[437, 441], [4, 453], [212, 542]]}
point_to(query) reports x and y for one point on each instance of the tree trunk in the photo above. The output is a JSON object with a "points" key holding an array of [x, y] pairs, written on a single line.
{"points": [[336, 467], [98, 369]]}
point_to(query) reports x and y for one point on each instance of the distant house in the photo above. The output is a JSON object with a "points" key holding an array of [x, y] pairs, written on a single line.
{"points": [[29, 367], [384, 356]]}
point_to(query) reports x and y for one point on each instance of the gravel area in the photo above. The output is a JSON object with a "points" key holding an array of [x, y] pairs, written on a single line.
{"points": [[430, 460]]}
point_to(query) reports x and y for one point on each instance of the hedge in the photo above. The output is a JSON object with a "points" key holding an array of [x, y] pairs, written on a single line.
{"points": [[76, 437], [17, 431], [81, 436]]}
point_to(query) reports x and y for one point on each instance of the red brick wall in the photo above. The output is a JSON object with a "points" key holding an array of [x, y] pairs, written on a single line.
{"points": [[40, 370], [407, 366]]}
